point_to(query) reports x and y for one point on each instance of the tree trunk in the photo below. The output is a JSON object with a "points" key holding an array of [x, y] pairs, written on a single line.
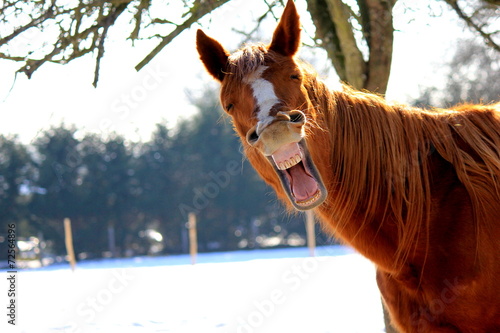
{"points": [[355, 66], [377, 25], [335, 33]]}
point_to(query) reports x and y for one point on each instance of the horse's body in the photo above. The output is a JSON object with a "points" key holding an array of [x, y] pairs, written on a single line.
{"points": [[415, 191]]}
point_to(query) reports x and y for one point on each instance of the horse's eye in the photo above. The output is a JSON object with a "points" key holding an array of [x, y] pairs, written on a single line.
{"points": [[295, 76], [229, 107]]}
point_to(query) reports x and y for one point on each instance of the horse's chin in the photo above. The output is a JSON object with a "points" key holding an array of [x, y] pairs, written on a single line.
{"points": [[298, 176]]}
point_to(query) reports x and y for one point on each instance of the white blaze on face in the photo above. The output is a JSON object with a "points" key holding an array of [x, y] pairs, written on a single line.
{"points": [[263, 92]]}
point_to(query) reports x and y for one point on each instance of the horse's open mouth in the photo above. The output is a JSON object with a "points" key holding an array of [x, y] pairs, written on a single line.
{"points": [[299, 176]]}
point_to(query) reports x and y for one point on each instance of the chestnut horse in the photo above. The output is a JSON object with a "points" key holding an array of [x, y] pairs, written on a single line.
{"points": [[416, 191]]}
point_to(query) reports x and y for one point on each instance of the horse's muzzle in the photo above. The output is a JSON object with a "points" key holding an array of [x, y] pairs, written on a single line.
{"points": [[286, 128], [282, 142]]}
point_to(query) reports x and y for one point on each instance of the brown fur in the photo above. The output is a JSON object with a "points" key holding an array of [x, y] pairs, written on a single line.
{"points": [[416, 191]]}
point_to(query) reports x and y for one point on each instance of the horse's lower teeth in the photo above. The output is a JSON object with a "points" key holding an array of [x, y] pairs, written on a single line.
{"points": [[310, 200]]}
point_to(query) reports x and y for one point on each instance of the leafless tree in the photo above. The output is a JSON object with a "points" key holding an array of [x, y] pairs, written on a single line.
{"points": [[358, 37], [472, 76]]}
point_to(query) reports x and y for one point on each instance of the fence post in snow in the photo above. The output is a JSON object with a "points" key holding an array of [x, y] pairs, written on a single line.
{"points": [[311, 235], [68, 238], [193, 241]]}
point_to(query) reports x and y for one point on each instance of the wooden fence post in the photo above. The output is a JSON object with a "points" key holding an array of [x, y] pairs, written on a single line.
{"points": [[311, 235], [68, 238], [193, 240]]}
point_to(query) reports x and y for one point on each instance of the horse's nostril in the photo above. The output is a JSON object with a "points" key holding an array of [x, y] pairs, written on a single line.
{"points": [[296, 117], [252, 136]]}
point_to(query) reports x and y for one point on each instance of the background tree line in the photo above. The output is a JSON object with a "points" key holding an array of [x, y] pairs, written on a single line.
{"points": [[122, 195], [128, 190]]}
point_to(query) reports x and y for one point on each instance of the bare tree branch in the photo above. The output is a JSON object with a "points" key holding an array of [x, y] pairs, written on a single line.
{"points": [[8, 57], [108, 22], [200, 8], [35, 22], [493, 2], [470, 22], [248, 35], [142, 7], [69, 30]]}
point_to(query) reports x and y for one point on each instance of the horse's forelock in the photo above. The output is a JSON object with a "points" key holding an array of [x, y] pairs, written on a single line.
{"points": [[248, 59]]}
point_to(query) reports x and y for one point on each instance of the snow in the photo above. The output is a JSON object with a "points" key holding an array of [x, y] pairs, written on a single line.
{"points": [[235, 292]]}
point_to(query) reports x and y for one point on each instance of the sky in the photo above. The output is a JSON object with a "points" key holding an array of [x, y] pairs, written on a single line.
{"points": [[130, 103]]}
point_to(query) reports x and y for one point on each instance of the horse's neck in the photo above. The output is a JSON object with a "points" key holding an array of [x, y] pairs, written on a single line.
{"points": [[361, 207], [380, 162]]}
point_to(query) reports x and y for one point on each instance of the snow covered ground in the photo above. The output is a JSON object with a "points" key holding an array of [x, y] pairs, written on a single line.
{"points": [[275, 291]]}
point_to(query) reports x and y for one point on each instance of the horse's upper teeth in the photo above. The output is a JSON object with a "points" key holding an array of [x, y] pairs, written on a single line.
{"points": [[289, 163]]}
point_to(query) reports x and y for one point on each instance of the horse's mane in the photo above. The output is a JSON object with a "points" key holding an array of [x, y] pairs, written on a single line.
{"points": [[380, 153]]}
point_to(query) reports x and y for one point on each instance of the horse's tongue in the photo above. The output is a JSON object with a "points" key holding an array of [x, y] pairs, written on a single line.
{"points": [[303, 185]]}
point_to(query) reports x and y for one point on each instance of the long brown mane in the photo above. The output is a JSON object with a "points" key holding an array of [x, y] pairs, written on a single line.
{"points": [[380, 154]]}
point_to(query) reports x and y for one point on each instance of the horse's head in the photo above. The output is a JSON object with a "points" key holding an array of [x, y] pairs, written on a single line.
{"points": [[262, 89]]}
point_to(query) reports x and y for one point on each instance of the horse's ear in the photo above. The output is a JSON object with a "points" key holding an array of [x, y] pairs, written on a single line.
{"points": [[212, 54], [286, 38]]}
